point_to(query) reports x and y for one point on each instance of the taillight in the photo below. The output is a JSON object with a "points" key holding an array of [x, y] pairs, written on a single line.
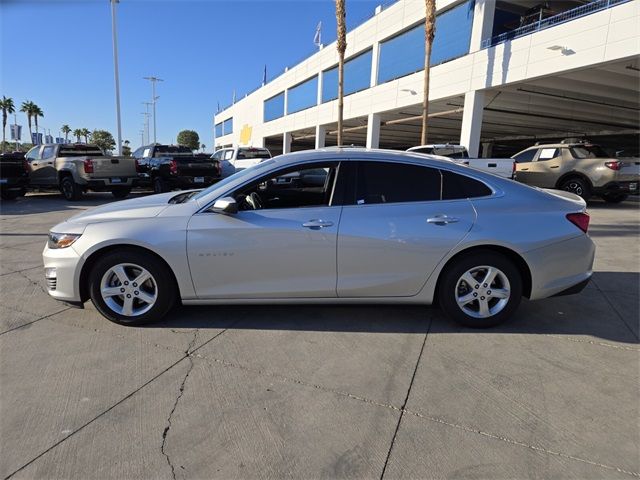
{"points": [[615, 165], [88, 166], [173, 167], [513, 171], [580, 220]]}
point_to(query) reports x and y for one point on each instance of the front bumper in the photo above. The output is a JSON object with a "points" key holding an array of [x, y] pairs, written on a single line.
{"points": [[62, 272], [560, 267]]}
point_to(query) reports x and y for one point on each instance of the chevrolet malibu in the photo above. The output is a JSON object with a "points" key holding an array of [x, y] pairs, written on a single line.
{"points": [[328, 226]]}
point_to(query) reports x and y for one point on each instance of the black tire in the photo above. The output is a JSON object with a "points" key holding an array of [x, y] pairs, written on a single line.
{"points": [[70, 189], [121, 192], [164, 282], [577, 185], [10, 194], [449, 285], [614, 197], [159, 185]]}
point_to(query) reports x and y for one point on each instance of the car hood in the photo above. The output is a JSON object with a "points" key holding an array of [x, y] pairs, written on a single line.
{"points": [[143, 207]]}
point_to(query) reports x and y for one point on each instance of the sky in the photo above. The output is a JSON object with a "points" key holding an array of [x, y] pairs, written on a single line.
{"points": [[58, 54]]}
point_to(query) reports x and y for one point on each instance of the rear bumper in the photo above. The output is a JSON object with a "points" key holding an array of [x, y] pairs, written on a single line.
{"points": [[619, 187], [112, 183], [14, 183], [561, 267], [189, 182]]}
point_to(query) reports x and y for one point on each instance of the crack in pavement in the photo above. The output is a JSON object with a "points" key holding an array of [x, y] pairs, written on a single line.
{"points": [[34, 321], [188, 353], [593, 342], [406, 399], [621, 317], [119, 402], [20, 271]]}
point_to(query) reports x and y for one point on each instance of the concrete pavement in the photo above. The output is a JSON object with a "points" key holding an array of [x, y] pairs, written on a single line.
{"points": [[318, 391]]}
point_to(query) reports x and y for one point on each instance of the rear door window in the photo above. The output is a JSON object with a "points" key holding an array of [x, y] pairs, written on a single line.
{"points": [[388, 182], [547, 154]]}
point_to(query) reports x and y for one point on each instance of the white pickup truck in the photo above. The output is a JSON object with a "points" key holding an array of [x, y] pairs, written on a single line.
{"points": [[503, 167], [238, 158]]}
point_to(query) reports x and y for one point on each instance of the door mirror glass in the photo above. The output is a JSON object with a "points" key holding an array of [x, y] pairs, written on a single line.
{"points": [[226, 205]]}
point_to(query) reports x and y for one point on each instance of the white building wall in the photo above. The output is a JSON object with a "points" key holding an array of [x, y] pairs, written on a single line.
{"points": [[604, 36]]}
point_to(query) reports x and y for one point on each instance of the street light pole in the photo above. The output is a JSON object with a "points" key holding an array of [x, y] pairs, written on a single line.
{"points": [[147, 104], [153, 81], [114, 35], [146, 124]]}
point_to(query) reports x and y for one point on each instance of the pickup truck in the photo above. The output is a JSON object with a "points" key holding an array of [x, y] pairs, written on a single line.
{"points": [[503, 167], [238, 158], [79, 167], [167, 167], [14, 175]]}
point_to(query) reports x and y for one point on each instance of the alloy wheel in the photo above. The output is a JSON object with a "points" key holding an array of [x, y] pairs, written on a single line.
{"points": [[483, 291], [128, 289]]}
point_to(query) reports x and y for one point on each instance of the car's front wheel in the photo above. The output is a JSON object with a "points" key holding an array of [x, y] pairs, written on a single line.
{"points": [[131, 287], [481, 289]]}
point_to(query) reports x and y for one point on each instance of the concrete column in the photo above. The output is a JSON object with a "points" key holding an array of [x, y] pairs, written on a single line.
{"points": [[373, 130], [320, 81], [483, 14], [286, 142], [321, 135], [472, 121], [487, 149], [375, 56]]}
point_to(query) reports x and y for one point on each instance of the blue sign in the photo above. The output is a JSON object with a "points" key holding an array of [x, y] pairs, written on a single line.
{"points": [[36, 138]]}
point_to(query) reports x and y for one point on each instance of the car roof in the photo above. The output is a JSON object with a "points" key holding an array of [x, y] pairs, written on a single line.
{"points": [[360, 153]]}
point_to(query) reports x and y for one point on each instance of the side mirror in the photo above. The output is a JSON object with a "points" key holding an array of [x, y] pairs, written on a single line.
{"points": [[226, 205]]}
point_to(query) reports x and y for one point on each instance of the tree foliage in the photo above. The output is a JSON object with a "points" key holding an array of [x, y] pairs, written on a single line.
{"points": [[103, 139], [189, 138]]}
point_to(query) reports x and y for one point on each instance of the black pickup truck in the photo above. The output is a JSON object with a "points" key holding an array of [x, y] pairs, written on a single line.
{"points": [[14, 175], [169, 167]]}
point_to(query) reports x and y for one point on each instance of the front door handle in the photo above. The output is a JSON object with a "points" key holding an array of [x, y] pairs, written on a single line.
{"points": [[317, 224], [524, 169], [442, 219], [554, 166]]}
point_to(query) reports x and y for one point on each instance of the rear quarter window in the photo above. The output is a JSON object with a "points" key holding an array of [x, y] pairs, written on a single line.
{"points": [[455, 186]]}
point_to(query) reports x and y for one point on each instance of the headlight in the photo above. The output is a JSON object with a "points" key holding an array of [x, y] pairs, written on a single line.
{"points": [[62, 240]]}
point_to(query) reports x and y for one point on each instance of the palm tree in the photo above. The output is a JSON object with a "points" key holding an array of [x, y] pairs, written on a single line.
{"points": [[85, 133], [27, 107], [36, 112], [77, 133], [341, 45], [7, 106], [429, 34], [66, 130]]}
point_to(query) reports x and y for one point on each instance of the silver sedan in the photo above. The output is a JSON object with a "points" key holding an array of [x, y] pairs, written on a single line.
{"points": [[328, 226]]}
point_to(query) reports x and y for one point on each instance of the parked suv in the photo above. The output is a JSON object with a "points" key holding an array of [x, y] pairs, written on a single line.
{"points": [[581, 168]]}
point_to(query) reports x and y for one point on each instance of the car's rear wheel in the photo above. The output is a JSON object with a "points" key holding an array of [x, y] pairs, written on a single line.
{"points": [[480, 290], [70, 189], [131, 287], [159, 185], [614, 197], [120, 192], [578, 186]]}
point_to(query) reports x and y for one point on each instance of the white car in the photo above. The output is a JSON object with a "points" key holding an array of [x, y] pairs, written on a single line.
{"points": [[239, 158], [328, 226]]}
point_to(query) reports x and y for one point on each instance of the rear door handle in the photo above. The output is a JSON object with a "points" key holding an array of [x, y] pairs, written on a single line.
{"points": [[442, 219], [554, 166], [317, 224], [524, 169]]}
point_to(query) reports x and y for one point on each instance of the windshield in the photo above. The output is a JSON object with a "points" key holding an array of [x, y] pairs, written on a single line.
{"points": [[239, 174], [588, 151], [253, 153]]}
